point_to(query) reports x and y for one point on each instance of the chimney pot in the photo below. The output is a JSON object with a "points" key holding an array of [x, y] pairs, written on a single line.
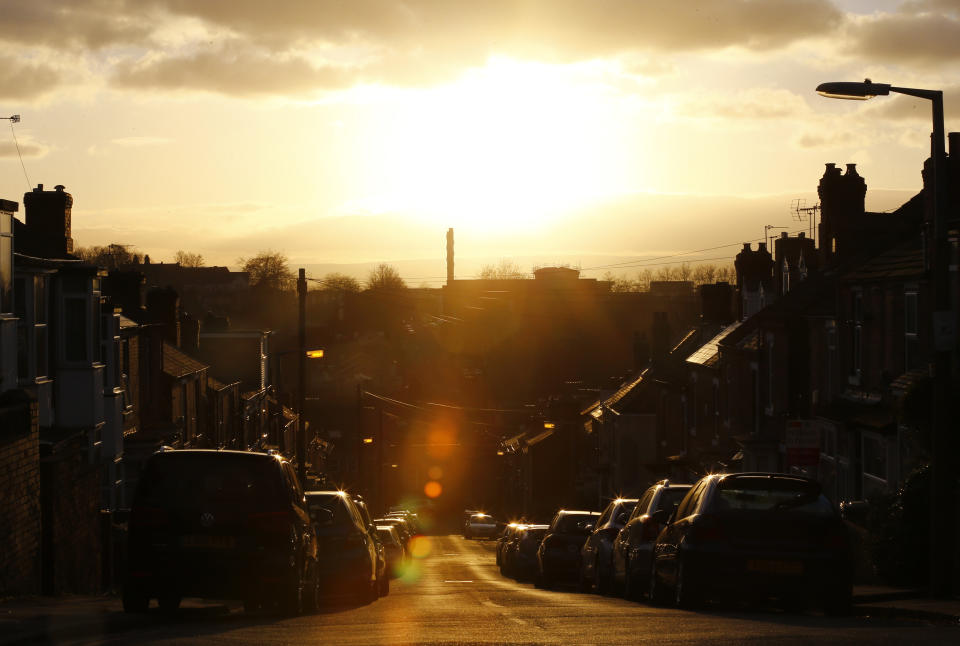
{"points": [[802, 234], [762, 246], [851, 169], [746, 246], [783, 235], [38, 189], [59, 187]]}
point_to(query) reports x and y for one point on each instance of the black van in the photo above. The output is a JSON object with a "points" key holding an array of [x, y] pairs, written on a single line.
{"points": [[224, 525]]}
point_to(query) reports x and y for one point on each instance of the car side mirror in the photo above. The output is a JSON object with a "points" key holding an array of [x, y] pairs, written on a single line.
{"points": [[321, 516]]}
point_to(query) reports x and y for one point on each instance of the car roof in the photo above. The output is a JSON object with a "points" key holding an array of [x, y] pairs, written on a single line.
{"points": [[578, 512]]}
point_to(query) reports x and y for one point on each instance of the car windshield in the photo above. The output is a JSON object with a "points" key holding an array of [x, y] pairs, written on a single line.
{"points": [[332, 502], [770, 494], [572, 523], [671, 497], [211, 479]]}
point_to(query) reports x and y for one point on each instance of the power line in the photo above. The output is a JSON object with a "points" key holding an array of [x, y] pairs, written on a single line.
{"points": [[16, 119]]}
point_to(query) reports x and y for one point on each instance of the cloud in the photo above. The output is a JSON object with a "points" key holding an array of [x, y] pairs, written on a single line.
{"points": [[900, 107], [27, 149], [89, 24], [25, 80], [920, 34], [135, 142], [229, 69], [752, 104], [827, 139]]}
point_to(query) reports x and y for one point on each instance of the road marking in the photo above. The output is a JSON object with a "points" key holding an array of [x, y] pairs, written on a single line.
{"points": [[457, 581], [491, 604]]}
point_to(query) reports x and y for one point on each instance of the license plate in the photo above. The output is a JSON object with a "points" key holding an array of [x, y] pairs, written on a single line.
{"points": [[775, 567], [209, 541]]}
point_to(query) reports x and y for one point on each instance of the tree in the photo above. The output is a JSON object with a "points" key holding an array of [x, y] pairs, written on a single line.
{"points": [[619, 283], [504, 270], [340, 283], [111, 256], [188, 259], [385, 276], [268, 269]]}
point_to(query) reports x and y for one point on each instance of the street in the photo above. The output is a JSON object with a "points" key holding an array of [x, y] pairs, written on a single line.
{"points": [[457, 595]]}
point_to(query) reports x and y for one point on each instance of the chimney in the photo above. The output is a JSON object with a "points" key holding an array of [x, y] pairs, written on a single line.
{"points": [[660, 338], [47, 216], [163, 306], [450, 256]]}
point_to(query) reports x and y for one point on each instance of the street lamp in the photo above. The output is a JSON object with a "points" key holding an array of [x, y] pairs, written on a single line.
{"points": [[944, 327]]}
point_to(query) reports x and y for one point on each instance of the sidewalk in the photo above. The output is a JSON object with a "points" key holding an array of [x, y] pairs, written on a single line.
{"points": [[900, 603], [48, 620]]}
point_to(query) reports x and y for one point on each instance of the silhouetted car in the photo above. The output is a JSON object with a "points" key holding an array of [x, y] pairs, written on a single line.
{"points": [[558, 555], [394, 551], [596, 555], [520, 554], [634, 544], [220, 524], [403, 529], [481, 525], [348, 558], [372, 531], [508, 533], [755, 535]]}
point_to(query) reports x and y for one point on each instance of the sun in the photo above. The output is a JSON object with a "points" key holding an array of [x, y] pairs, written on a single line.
{"points": [[505, 148]]}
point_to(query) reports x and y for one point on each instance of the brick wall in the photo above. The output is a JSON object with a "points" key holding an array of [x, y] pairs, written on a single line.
{"points": [[72, 526], [19, 495]]}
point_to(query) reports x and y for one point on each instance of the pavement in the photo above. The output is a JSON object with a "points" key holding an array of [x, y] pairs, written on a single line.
{"points": [[47, 620]]}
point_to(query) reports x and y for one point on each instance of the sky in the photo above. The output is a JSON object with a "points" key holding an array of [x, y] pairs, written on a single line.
{"points": [[358, 131]]}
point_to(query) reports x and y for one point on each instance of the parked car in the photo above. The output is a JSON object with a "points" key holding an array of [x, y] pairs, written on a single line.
{"points": [[520, 554], [348, 561], [220, 524], [753, 535], [634, 543], [481, 525], [596, 555], [558, 555], [467, 514], [394, 550], [403, 529], [372, 531], [508, 533]]}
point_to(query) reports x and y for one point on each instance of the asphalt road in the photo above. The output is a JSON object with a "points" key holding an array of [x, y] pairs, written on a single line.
{"points": [[456, 595]]}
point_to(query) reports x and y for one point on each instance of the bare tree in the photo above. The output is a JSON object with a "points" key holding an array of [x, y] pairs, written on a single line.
{"points": [[111, 256], [504, 270], [383, 277], [268, 269], [188, 259], [619, 283], [340, 283]]}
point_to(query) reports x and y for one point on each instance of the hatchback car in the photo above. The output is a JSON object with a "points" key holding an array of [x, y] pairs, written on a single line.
{"points": [[348, 558], [508, 533], [596, 555], [394, 551], [753, 535], [634, 544], [520, 554], [558, 555], [481, 526], [220, 524]]}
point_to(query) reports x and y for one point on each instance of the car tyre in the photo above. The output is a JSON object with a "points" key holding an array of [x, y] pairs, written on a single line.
{"points": [[685, 594], [135, 601], [630, 590], [657, 595], [838, 602], [169, 602]]}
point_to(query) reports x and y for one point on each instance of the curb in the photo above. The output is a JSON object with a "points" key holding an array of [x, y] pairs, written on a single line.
{"points": [[894, 612]]}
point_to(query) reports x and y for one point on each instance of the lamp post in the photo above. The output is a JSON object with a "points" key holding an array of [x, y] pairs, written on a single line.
{"points": [[943, 328]]}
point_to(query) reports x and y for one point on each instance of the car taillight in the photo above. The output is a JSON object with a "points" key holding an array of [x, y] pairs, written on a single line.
{"points": [[149, 517], [708, 533]]}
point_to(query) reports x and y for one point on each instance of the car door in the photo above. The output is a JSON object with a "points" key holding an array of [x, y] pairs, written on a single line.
{"points": [[667, 547]]}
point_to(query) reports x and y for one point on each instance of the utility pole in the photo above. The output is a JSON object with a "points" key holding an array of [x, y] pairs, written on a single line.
{"points": [[301, 378]]}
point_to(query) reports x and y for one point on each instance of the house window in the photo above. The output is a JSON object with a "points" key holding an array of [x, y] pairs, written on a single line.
{"points": [[6, 262], [910, 328], [874, 456], [75, 328], [856, 336]]}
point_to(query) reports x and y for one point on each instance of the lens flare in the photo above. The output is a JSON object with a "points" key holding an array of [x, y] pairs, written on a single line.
{"points": [[420, 547], [433, 489], [435, 473]]}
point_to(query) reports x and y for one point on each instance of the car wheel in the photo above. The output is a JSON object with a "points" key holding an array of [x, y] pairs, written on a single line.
{"points": [[169, 602], [838, 602], [629, 584], [657, 594], [291, 599], [602, 578], [685, 594], [135, 601], [311, 596]]}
